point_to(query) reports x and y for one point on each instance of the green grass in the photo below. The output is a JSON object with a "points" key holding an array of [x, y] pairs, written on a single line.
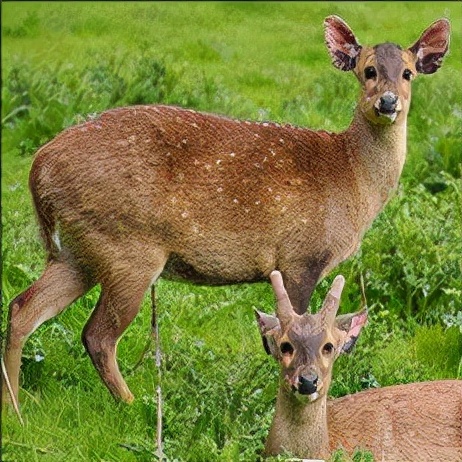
{"points": [[257, 60]]}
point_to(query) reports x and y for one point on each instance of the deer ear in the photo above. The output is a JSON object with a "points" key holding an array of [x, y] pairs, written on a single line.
{"points": [[351, 325], [431, 47], [341, 43], [269, 325]]}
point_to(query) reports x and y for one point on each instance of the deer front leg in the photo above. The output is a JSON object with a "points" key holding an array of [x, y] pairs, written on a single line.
{"points": [[118, 305], [300, 280]]}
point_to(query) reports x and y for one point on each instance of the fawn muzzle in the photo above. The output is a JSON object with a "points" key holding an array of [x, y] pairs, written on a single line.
{"points": [[307, 385], [388, 105]]}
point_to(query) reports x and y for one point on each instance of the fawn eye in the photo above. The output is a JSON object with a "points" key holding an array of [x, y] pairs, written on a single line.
{"points": [[370, 72], [407, 74], [286, 348], [328, 348]]}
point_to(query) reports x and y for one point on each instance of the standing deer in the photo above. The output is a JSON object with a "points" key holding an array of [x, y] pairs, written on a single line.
{"points": [[148, 190], [404, 423]]}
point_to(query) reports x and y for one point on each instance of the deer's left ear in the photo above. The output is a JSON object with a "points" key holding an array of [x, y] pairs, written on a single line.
{"points": [[269, 326], [431, 47], [351, 325]]}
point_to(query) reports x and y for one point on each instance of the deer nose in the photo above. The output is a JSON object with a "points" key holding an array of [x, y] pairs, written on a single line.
{"points": [[307, 385], [388, 102]]}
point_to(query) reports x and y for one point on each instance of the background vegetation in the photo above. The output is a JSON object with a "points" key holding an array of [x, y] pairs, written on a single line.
{"points": [[62, 61]]}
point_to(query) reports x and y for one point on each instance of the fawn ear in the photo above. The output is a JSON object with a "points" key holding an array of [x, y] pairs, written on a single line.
{"points": [[351, 325], [341, 43], [431, 47], [269, 325]]}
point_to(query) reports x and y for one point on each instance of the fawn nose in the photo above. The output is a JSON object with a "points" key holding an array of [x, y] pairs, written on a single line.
{"points": [[307, 385], [388, 102]]}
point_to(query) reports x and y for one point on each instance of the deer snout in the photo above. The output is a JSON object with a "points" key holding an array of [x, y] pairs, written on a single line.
{"points": [[307, 384], [387, 103]]}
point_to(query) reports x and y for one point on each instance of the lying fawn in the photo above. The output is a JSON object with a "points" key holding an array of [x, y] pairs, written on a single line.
{"points": [[404, 423], [148, 190]]}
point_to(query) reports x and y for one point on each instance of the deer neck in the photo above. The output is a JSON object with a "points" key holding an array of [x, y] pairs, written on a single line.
{"points": [[299, 427], [380, 152]]}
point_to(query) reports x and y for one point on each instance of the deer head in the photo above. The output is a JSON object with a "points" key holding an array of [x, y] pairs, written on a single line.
{"points": [[306, 346], [385, 71]]}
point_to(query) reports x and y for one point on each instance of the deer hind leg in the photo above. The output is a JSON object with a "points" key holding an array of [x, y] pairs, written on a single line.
{"points": [[60, 284], [118, 305]]}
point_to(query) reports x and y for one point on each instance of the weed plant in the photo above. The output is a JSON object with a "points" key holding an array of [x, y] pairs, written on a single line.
{"points": [[62, 62]]}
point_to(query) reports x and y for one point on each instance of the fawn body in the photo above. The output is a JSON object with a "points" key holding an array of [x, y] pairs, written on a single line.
{"points": [[148, 190], [404, 423]]}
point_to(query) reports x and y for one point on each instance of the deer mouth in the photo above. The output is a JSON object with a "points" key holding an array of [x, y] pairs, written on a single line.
{"points": [[386, 115], [304, 397], [387, 107], [306, 392]]}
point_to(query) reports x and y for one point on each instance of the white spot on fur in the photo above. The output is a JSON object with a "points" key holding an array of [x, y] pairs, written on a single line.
{"points": [[185, 214], [235, 201], [56, 239], [220, 189]]}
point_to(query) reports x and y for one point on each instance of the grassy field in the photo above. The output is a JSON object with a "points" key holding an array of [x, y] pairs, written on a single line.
{"points": [[62, 61]]}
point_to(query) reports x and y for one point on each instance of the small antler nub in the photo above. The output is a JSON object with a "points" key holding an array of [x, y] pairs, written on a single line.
{"points": [[285, 311], [332, 301]]}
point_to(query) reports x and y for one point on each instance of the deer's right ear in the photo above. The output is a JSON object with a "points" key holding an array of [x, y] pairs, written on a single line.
{"points": [[269, 326], [351, 325], [341, 43]]}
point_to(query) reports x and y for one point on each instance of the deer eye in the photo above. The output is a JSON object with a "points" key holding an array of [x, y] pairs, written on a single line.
{"points": [[328, 348], [286, 348], [407, 74], [370, 72]]}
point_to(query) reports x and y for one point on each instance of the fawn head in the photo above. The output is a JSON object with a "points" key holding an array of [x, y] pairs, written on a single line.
{"points": [[306, 346], [385, 71]]}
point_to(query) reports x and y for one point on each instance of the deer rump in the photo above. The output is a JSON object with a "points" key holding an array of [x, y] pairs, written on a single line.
{"points": [[157, 185]]}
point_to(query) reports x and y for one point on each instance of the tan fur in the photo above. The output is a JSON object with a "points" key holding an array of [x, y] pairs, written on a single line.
{"points": [[147, 190], [404, 423]]}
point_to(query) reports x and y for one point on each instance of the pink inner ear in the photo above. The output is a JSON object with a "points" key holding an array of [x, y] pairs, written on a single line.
{"points": [[357, 324], [341, 43]]}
